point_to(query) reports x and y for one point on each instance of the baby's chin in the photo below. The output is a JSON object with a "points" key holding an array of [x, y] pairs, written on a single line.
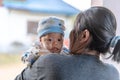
{"points": [[55, 52]]}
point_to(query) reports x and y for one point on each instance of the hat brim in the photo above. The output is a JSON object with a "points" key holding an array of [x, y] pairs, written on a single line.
{"points": [[50, 30]]}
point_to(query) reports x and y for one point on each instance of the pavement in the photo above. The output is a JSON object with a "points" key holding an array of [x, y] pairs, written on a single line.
{"points": [[9, 72]]}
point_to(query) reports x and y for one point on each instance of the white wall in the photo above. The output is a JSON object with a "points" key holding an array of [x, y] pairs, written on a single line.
{"points": [[12, 28], [4, 37]]}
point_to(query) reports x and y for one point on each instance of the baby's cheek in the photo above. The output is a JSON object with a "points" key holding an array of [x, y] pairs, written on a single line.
{"points": [[59, 45], [49, 46]]}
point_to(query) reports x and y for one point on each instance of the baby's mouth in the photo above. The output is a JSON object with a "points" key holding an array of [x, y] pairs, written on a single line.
{"points": [[55, 50]]}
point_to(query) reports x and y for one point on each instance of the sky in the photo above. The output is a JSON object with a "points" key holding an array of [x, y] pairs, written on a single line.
{"points": [[79, 4]]}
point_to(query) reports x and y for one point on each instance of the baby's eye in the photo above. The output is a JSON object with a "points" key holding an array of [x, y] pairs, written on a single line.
{"points": [[59, 39], [49, 39]]}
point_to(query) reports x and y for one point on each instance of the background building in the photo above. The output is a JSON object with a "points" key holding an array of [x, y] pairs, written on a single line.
{"points": [[20, 18]]}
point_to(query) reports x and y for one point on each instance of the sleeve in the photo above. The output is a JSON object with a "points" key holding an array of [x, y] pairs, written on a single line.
{"points": [[20, 76], [42, 69], [32, 73]]}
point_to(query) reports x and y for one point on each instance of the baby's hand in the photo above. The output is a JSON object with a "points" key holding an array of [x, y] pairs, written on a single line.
{"points": [[30, 56]]}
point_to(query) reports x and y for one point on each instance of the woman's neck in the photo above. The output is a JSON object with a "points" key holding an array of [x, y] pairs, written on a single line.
{"points": [[91, 52]]}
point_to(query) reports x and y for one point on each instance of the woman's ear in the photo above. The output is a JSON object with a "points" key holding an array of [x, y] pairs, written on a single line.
{"points": [[85, 35]]}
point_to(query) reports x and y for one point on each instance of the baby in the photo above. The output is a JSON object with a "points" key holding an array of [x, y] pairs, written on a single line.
{"points": [[51, 36]]}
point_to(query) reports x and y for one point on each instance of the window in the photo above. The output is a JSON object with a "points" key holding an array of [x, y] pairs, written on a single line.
{"points": [[32, 27]]}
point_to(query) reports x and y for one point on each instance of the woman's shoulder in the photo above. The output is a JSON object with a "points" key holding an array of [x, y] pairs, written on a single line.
{"points": [[50, 58], [111, 69], [110, 66]]}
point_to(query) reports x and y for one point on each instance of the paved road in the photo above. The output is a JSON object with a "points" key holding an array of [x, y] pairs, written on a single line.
{"points": [[9, 72]]}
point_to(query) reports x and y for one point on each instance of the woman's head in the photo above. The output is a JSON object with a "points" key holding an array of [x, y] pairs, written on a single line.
{"points": [[100, 23]]}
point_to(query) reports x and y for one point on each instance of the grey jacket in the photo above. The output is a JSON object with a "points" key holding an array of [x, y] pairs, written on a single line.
{"points": [[69, 67]]}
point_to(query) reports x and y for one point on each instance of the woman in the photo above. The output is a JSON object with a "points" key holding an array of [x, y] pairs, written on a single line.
{"points": [[92, 35]]}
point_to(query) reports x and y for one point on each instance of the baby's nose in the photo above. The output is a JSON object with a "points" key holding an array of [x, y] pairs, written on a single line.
{"points": [[55, 42]]}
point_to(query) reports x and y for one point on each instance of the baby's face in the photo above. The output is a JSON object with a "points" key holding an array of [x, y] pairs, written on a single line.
{"points": [[53, 42]]}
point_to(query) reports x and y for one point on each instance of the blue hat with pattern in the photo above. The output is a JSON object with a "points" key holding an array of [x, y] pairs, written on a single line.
{"points": [[50, 25]]}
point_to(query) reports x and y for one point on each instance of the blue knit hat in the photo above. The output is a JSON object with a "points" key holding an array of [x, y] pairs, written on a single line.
{"points": [[50, 25]]}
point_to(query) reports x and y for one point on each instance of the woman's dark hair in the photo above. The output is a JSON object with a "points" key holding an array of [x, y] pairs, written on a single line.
{"points": [[101, 24]]}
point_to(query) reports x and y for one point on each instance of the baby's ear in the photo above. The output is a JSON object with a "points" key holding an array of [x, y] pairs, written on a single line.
{"points": [[39, 39]]}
